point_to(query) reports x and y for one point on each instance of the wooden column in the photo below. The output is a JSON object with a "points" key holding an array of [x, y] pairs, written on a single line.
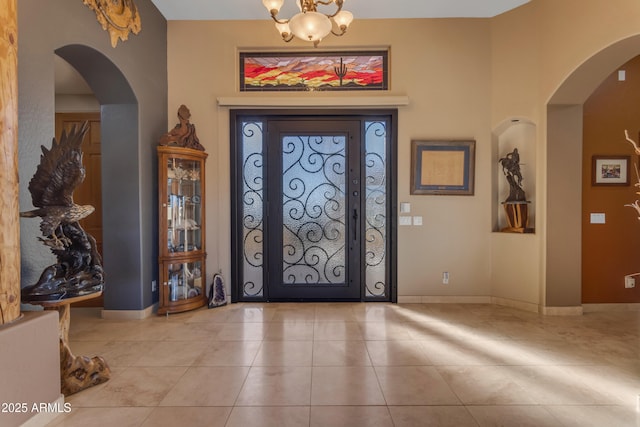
{"points": [[9, 208]]}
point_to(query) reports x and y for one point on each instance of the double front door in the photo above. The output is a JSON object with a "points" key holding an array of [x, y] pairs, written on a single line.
{"points": [[312, 212]]}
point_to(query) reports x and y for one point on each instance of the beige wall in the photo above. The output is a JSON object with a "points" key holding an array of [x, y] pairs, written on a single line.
{"points": [[464, 78], [548, 57], [444, 68]]}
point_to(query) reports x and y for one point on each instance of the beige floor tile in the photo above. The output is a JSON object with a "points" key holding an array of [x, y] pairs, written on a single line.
{"points": [[200, 331], [427, 416], [229, 353], [378, 313], [241, 332], [484, 352], [350, 416], [345, 385], [172, 353], [340, 353], [103, 417], [397, 353], [104, 331], [290, 330], [336, 330], [522, 416], [284, 353], [207, 386], [522, 330], [420, 330], [251, 315], [205, 315], [173, 416], [488, 385], [563, 352], [414, 385], [118, 353], [269, 416], [360, 364], [595, 416], [384, 331], [457, 352], [295, 312], [276, 386], [134, 386], [343, 312], [567, 385]]}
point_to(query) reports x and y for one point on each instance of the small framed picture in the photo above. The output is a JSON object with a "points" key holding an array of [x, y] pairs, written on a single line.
{"points": [[610, 170]]}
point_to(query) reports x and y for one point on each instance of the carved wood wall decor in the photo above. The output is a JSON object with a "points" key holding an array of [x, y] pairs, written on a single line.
{"points": [[118, 17]]}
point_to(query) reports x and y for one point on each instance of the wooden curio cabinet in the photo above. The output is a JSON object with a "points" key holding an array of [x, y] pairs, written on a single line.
{"points": [[181, 173]]}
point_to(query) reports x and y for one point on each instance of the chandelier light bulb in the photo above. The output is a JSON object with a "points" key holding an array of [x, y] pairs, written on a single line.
{"points": [[310, 26], [343, 19], [272, 5], [283, 29]]}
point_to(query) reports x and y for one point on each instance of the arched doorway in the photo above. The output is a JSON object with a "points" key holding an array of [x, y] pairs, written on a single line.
{"points": [[563, 281], [119, 136]]}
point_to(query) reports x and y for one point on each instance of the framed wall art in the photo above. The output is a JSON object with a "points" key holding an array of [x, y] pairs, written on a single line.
{"points": [[443, 167], [610, 170], [314, 71]]}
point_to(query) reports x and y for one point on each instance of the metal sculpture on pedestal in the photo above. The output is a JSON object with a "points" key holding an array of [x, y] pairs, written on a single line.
{"points": [[78, 271], [516, 204]]}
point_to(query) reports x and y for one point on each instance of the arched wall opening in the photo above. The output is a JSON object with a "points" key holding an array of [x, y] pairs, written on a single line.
{"points": [[564, 215], [514, 254], [120, 188]]}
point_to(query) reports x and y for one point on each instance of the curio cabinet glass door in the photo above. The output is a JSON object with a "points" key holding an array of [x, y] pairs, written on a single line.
{"points": [[182, 229]]}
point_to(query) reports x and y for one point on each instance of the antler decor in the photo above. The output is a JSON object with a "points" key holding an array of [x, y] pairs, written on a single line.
{"points": [[118, 17]]}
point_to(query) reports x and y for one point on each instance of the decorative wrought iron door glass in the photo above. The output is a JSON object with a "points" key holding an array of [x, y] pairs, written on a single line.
{"points": [[375, 234], [252, 208], [312, 208], [313, 201]]}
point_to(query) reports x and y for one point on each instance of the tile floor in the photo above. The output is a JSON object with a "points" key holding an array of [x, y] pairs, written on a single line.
{"points": [[361, 364]]}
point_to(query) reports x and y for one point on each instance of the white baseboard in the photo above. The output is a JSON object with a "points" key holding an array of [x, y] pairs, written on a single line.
{"points": [[562, 311], [129, 314], [520, 305], [591, 308], [408, 299]]}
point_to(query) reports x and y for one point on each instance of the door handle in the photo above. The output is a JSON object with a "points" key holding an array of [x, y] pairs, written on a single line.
{"points": [[355, 224]]}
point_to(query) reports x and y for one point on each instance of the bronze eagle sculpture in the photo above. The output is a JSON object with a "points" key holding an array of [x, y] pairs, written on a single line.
{"points": [[79, 268]]}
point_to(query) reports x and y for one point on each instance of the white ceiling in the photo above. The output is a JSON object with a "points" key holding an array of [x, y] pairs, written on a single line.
{"points": [[361, 9]]}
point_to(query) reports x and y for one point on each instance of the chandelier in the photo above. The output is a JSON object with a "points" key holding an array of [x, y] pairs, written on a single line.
{"points": [[309, 24]]}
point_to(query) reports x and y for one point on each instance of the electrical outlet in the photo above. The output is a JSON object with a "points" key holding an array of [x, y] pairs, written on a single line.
{"points": [[629, 282], [154, 286], [445, 278]]}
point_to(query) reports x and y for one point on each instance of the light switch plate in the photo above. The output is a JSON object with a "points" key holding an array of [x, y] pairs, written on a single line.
{"points": [[598, 218], [405, 207], [417, 220], [405, 220]]}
